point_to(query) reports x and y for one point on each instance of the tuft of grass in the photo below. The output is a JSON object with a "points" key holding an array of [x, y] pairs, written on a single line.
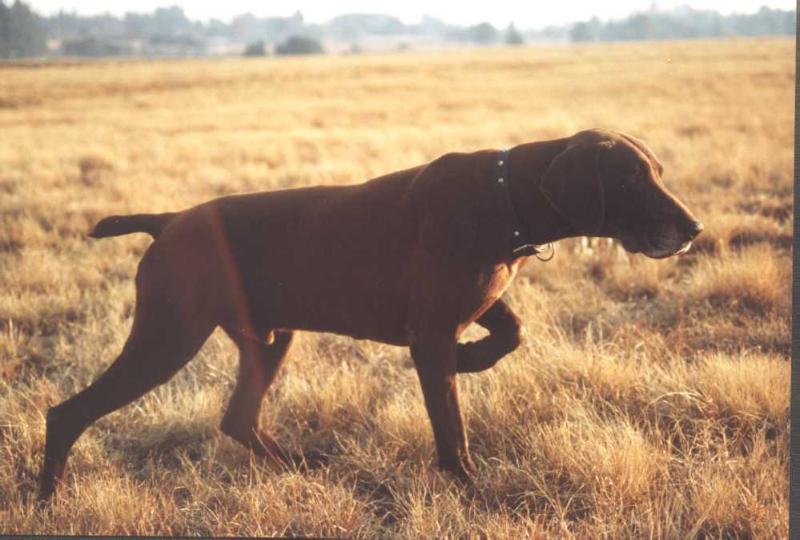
{"points": [[749, 388], [629, 276], [608, 463], [736, 230], [754, 278]]}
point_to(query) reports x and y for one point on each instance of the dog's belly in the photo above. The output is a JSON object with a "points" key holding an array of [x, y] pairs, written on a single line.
{"points": [[361, 314], [369, 300], [342, 291]]}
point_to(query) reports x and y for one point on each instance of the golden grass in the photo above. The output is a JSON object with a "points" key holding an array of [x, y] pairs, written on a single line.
{"points": [[650, 398], [755, 278]]}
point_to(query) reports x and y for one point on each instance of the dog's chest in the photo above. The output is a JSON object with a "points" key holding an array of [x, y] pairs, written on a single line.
{"points": [[490, 286], [499, 280]]}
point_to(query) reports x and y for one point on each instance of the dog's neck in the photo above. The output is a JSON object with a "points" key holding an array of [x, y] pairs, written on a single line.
{"points": [[527, 164]]}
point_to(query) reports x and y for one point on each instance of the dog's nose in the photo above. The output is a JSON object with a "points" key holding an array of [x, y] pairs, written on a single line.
{"points": [[695, 228]]}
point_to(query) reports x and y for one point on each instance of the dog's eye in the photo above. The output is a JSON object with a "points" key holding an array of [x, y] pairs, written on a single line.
{"points": [[636, 183]]}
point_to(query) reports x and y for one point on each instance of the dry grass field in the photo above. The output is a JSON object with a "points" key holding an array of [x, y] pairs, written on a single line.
{"points": [[650, 398]]}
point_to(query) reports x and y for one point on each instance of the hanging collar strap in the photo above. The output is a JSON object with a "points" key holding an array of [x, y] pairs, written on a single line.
{"points": [[518, 236]]}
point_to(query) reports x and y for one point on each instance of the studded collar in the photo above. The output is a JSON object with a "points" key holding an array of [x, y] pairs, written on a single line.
{"points": [[517, 235]]}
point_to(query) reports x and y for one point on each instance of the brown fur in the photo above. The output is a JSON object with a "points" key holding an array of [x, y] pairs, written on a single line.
{"points": [[411, 258]]}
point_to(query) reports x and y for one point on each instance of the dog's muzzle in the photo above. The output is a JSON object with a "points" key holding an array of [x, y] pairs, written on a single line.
{"points": [[665, 243]]}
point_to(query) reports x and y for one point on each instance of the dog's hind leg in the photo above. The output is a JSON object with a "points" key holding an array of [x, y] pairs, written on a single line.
{"points": [[166, 334], [259, 363]]}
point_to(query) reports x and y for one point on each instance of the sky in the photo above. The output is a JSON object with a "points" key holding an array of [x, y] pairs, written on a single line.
{"points": [[525, 14]]}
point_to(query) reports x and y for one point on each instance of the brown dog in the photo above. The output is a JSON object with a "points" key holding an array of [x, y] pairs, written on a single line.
{"points": [[411, 258]]}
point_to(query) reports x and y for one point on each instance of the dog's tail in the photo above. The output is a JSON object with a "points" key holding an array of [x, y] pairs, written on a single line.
{"points": [[151, 224]]}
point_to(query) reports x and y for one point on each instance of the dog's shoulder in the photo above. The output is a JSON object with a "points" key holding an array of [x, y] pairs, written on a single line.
{"points": [[452, 177], [455, 205]]}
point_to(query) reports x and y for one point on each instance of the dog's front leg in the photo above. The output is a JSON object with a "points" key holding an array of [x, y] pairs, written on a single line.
{"points": [[435, 359], [504, 337]]}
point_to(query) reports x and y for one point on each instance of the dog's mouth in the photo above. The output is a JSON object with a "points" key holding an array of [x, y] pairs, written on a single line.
{"points": [[684, 248], [655, 250]]}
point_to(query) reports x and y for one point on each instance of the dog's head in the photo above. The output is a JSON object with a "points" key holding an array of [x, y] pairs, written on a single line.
{"points": [[609, 184]]}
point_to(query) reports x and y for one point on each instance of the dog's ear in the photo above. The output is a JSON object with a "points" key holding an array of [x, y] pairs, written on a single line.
{"points": [[572, 184]]}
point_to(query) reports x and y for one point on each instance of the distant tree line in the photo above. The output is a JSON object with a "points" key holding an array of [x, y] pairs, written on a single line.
{"points": [[167, 31], [292, 45], [22, 32], [685, 23]]}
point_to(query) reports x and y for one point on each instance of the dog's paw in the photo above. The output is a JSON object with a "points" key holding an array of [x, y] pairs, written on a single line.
{"points": [[462, 470]]}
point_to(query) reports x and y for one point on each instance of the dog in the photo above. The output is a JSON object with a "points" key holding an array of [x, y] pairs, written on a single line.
{"points": [[410, 258]]}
